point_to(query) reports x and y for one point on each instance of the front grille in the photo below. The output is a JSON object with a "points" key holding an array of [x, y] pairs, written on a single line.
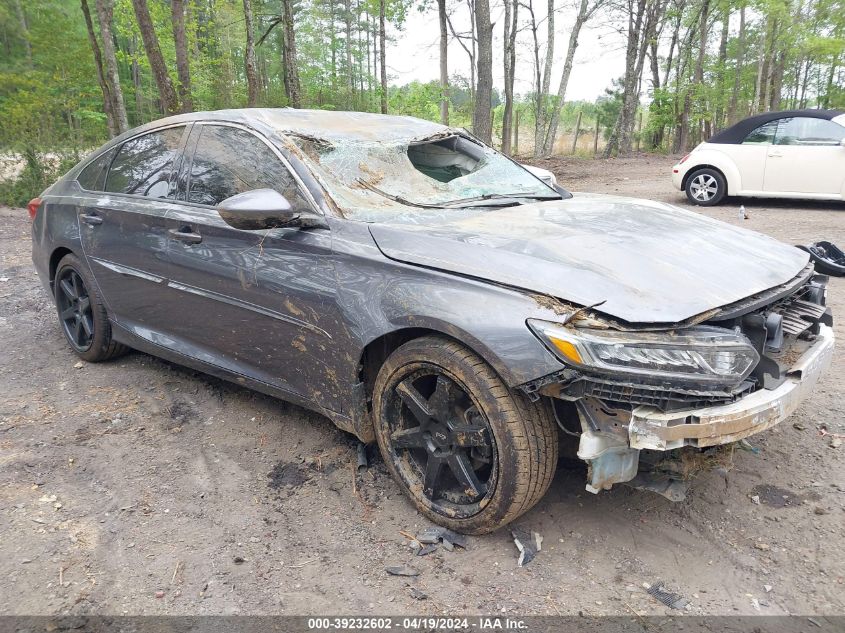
{"points": [[664, 398], [799, 316]]}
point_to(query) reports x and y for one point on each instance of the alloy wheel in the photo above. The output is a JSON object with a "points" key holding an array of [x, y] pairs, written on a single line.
{"points": [[441, 444], [704, 187], [75, 309]]}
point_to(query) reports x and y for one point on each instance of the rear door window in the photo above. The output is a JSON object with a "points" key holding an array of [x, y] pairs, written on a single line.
{"points": [[93, 176], [144, 165], [229, 160], [763, 135]]}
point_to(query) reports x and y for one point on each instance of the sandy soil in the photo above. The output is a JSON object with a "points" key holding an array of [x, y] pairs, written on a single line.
{"points": [[140, 487]]}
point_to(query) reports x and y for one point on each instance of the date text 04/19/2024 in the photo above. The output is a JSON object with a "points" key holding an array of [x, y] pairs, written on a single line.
{"points": [[479, 623]]}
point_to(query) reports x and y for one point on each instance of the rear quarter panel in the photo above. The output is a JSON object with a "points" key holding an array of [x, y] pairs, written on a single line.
{"points": [[56, 226], [742, 165]]}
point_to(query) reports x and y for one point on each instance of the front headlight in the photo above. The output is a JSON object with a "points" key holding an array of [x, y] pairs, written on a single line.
{"points": [[696, 354]]}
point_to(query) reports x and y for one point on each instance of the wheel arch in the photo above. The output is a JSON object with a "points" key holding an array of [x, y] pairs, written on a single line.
{"points": [[698, 168], [707, 158], [55, 257], [376, 352]]}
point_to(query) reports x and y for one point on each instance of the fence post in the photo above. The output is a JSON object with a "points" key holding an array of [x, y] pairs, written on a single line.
{"points": [[516, 134], [577, 131], [596, 139]]}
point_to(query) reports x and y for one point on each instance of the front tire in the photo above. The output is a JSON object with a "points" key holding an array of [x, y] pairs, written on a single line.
{"points": [[82, 313], [706, 187], [471, 454]]}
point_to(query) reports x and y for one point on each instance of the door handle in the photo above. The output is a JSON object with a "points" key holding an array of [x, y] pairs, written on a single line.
{"points": [[775, 155], [93, 220], [185, 235]]}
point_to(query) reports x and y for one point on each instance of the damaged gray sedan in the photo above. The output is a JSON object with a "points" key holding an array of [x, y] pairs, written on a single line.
{"points": [[427, 293]]}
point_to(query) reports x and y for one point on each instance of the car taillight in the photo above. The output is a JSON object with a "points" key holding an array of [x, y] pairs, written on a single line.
{"points": [[32, 207], [681, 162]]}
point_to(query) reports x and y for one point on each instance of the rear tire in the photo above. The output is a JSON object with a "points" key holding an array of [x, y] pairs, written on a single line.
{"points": [[706, 187], [82, 313], [471, 454]]}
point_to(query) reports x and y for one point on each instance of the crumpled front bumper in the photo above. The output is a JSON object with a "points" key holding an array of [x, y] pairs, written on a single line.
{"points": [[653, 429], [612, 451]]}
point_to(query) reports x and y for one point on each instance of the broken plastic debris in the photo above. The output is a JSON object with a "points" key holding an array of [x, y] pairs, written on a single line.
{"points": [[401, 570], [746, 446], [528, 544], [671, 600], [418, 594], [430, 535], [425, 550], [362, 457], [435, 534]]}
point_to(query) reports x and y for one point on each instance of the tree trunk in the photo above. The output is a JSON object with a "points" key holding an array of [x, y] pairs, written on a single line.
{"points": [[249, 57], [444, 64], [740, 61], [580, 19], [771, 56], [294, 90], [829, 84], [382, 36], [643, 20], [702, 52], [718, 117], [98, 64], [333, 41], [24, 26], [482, 123], [169, 100], [180, 40], [542, 120], [135, 71], [510, 31], [777, 80], [350, 75], [104, 17], [675, 34]]}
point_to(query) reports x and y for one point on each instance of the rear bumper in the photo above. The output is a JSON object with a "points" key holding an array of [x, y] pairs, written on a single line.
{"points": [[653, 429], [678, 176]]}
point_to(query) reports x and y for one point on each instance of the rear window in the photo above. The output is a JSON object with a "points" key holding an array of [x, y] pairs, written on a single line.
{"points": [[93, 176], [143, 165]]}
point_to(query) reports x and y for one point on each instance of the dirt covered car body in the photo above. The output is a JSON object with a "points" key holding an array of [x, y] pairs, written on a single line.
{"points": [[425, 292]]}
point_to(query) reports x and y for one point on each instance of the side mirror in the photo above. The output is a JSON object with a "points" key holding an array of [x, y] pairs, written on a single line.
{"points": [[842, 143], [257, 209]]}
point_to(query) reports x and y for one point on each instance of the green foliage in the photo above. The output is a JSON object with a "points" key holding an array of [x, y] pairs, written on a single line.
{"points": [[51, 103]]}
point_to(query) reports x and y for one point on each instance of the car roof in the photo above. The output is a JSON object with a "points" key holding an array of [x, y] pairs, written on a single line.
{"points": [[323, 124], [739, 131]]}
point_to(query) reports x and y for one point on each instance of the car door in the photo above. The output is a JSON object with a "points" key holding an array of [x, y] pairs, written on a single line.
{"points": [[122, 225], [750, 156], [259, 303], [806, 157]]}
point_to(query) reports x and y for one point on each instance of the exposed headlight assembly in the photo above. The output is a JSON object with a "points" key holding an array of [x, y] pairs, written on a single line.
{"points": [[696, 354]]}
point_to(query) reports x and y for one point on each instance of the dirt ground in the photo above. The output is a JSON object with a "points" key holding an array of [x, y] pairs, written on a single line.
{"points": [[139, 487]]}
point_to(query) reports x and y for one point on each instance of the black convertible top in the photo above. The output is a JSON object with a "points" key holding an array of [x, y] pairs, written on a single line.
{"points": [[737, 132]]}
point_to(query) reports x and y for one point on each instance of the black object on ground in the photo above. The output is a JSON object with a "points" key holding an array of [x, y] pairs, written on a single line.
{"points": [[828, 257], [528, 544], [401, 570], [363, 463], [671, 600]]}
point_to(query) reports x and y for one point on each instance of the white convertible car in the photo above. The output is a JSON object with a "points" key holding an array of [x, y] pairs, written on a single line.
{"points": [[792, 154]]}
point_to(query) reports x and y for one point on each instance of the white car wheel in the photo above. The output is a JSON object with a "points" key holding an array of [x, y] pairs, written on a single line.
{"points": [[706, 187]]}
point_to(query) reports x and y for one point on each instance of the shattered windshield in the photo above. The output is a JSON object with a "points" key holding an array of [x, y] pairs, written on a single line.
{"points": [[447, 171]]}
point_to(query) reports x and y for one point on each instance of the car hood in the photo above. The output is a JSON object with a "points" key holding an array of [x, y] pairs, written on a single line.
{"points": [[648, 262]]}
